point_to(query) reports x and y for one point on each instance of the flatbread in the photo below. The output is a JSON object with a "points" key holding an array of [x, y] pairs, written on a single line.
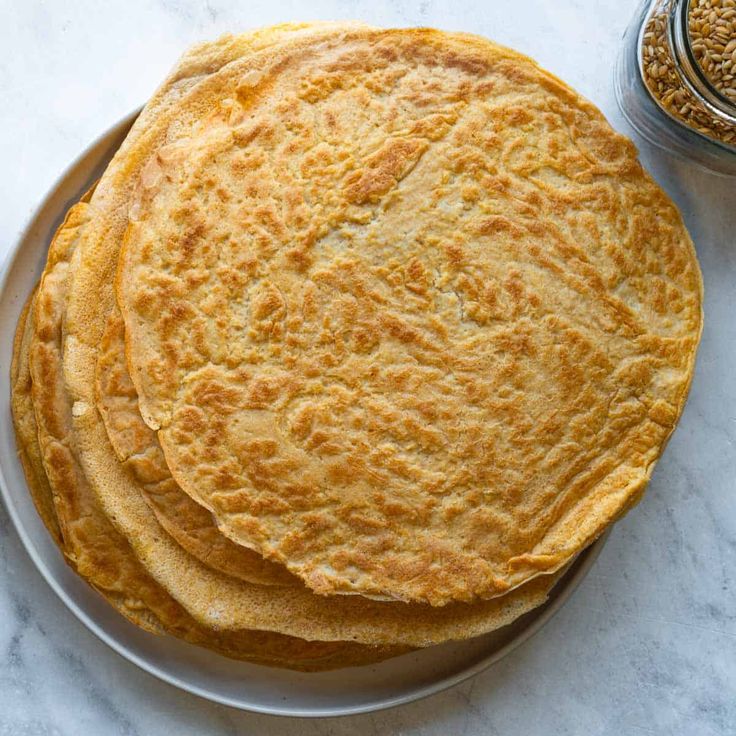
{"points": [[217, 600], [407, 315]]}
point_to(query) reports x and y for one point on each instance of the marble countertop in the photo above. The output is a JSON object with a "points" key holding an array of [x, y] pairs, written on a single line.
{"points": [[647, 645]]}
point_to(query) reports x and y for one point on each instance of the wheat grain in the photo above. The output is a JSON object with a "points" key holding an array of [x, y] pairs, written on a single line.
{"points": [[712, 30]]}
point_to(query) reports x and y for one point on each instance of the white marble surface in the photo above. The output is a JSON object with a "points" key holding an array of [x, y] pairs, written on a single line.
{"points": [[648, 643]]}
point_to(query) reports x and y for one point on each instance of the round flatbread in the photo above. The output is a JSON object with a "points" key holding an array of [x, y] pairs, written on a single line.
{"points": [[217, 600], [407, 315]]}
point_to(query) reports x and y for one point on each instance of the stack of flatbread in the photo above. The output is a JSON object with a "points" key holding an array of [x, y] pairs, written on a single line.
{"points": [[360, 339]]}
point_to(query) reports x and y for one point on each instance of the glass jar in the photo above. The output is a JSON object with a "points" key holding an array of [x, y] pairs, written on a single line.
{"points": [[673, 79]]}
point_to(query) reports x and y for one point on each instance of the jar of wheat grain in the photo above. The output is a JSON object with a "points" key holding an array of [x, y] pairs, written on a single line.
{"points": [[676, 79]]}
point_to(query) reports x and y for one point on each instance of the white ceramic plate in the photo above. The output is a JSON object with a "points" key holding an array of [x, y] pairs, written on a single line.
{"points": [[250, 687]]}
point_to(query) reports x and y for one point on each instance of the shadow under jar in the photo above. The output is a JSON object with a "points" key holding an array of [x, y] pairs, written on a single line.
{"points": [[675, 79]]}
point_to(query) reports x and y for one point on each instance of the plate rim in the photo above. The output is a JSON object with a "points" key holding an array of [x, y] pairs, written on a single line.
{"points": [[570, 583]]}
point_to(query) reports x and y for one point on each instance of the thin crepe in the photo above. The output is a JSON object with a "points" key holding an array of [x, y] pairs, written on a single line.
{"points": [[214, 599], [407, 315]]}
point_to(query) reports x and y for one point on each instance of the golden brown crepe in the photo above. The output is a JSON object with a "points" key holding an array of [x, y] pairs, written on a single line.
{"points": [[217, 600], [406, 313]]}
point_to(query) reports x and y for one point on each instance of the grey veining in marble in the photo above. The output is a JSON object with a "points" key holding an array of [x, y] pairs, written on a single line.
{"points": [[648, 643]]}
